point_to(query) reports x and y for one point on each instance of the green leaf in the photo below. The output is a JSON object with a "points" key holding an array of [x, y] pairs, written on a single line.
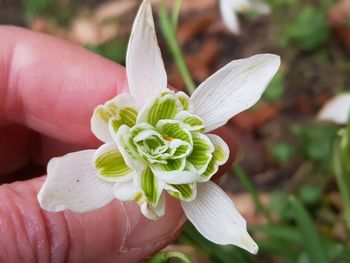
{"points": [[314, 247], [282, 152], [309, 30], [276, 88]]}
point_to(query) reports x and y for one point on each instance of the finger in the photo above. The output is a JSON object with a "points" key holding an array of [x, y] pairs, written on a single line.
{"points": [[116, 233], [53, 86]]}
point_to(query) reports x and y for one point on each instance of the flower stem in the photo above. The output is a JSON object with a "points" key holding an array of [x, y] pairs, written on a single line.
{"points": [[169, 27], [163, 257], [250, 188], [176, 13]]}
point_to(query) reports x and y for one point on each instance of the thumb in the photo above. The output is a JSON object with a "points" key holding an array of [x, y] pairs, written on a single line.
{"points": [[115, 233]]}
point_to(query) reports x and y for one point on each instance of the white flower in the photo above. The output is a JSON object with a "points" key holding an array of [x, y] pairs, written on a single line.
{"points": [[230, 8], [154, 142], [336, 110]]}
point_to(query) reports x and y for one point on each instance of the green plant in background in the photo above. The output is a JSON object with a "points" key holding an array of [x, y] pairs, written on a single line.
{"points": [[316, 142], [309, 31], [114, 49], [55, 10], [341, 166], [276, 88]]}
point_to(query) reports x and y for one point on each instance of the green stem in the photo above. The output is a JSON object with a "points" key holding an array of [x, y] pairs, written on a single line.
{"points": [[248, 186], [169, 32], [176, 14], [164, 257]]}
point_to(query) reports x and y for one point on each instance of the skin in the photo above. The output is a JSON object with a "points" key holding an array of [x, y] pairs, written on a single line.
{"points": [[48, 90]]}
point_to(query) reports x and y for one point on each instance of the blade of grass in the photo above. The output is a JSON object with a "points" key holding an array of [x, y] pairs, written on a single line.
{"points": [[286, 233], [313, 245], [342, 171], [169, 33], [248, 186], [176, 14]]}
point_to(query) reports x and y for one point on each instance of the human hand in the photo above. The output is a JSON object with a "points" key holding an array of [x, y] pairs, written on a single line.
{"points": [[51, 87]]}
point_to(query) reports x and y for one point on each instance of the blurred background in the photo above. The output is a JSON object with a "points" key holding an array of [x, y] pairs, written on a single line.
{"points": [[292, 183]]}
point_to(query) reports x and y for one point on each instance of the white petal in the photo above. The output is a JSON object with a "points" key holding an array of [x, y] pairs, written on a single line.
{"points": [[229, 16], [99, 126], [154, 212], [234, 88], [336, 110], [144, 63], [260, 7], [177, 177], [126, 191], [72, 183], [216, 218]]}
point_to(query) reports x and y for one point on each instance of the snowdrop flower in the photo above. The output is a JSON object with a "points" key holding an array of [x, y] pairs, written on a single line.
{"points": [[230, 8], [156, 141], [336, 110]]}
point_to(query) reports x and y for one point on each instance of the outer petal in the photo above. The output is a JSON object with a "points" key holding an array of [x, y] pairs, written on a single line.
{"points": [[217, 219], [336, 110], [111, 110], [110, 164], [234, 88], [229, 16], [144, 63], [72, 183]]}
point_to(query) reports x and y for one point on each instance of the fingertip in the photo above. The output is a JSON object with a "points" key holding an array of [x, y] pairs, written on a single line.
{"points": [[52, 85]]}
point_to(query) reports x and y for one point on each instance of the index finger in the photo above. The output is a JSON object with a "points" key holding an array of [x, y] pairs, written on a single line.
{"points": [[52, 86]]}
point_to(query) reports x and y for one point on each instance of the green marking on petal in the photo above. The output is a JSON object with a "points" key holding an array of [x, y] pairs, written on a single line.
{"points": [[127, 116], [192, 122], [201, 153], [171, 165], [186, 192], [184, 99], [220, 156], [164, 107], [110, 163], [149, 185], [174, 129]]}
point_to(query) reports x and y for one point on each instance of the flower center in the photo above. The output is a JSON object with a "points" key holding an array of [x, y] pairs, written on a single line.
{"points": [[168, 138]]}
